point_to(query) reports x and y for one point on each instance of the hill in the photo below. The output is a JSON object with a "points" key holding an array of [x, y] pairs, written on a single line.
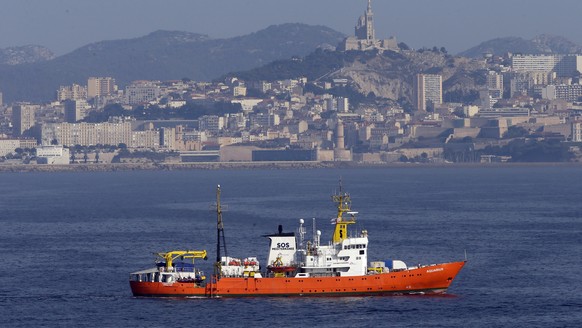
{"points": [[387, 75], [542, 44], [162, 55]]}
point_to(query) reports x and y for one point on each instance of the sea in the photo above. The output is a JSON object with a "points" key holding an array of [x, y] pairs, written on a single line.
{"points": [[69, 240]]}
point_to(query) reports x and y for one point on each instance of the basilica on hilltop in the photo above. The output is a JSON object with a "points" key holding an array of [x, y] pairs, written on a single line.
{"points": [[365, 38]]}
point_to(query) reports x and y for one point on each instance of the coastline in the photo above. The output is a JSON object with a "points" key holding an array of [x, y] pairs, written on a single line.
{"points": [[23, 168]]}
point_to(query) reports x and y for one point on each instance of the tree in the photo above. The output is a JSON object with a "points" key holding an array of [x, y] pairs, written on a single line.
{"points": [[515, 132], [403, 46]]}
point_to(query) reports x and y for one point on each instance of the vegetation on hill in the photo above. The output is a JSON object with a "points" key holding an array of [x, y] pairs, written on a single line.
{"points": [[313, 66], [190, 111]]}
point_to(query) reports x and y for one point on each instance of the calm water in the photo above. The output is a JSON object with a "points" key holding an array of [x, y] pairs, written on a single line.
{"points": [[69, 240]]}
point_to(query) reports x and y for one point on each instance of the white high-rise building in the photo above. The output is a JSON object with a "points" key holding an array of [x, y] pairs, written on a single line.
{"points": [[428, 90], [562, 65]]}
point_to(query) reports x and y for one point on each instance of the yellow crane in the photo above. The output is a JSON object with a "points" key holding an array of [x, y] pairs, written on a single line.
{"points": [[169, 257]]}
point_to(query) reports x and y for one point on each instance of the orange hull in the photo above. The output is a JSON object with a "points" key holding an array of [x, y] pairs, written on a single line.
{"points": [[429, 279]]}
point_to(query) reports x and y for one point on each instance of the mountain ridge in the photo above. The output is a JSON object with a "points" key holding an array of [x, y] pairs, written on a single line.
{"points": [[162, 55], [541, 44]]}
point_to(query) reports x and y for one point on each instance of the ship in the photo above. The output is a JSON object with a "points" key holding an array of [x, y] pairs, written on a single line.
{"points": [[295, 266]]}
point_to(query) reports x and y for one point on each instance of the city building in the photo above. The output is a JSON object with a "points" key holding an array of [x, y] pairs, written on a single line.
{"points": [[568, 92], [72, 92], [523, 83], [23, 118], [100, 86], [145, 139], [8, 146], [239, 91], [1, 100], [52, 155], [562, 65], [76, 110], [211, 123], [168, 138], [494, 81], [141, 92], [86, 134], [428, 91], [365, 36], [343, 104], [490, 97], [264, 119], [27, 143], [577, 131]]}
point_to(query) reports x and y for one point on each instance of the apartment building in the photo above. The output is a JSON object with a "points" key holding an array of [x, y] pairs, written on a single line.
{"points": [[428, 90], [100, 86], [23, 118]]}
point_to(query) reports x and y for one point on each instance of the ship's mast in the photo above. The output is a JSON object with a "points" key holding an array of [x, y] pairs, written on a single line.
{"points": [[219, 233], [343, 201]]}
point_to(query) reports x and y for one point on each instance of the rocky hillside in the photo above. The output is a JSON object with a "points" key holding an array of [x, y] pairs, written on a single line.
{"points": [[25, 55], [387, 75], [162, 55], [542, 44], [391, 75]]}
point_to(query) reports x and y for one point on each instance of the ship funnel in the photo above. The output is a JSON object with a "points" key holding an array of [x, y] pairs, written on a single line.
{"points": [[282, 248]]}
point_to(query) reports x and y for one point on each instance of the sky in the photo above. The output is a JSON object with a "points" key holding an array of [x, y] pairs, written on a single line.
{"points": [[64, 25]]}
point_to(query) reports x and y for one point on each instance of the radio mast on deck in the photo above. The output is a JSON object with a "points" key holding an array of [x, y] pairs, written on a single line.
{"points": [[220, 232]]}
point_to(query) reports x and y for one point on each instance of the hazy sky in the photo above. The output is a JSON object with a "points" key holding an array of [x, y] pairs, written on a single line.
{"points": [[64, 25]]}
